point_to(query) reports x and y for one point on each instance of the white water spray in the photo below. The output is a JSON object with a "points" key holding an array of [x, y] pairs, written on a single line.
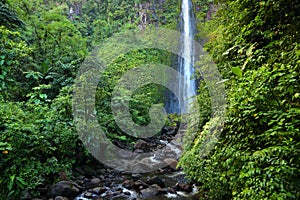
{"points": [[187, 88]]}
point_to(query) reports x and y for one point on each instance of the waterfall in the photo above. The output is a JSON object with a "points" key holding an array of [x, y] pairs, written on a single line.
{"points": [[187, 86]]}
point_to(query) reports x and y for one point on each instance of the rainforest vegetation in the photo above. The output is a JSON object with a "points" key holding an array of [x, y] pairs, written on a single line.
{"points": [[254, 44]]}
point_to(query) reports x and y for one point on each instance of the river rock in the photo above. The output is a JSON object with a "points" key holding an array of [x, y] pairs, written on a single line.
{"points": [[169, 153], [116, 193], [88, 194], [95, 180], [64, 188], [157, 181], [86, 171], [150, 191], [138, 151], [169, 130], [184, 187], [139, 185], [125, 153], [98, 198], [145, 164], [127, 184], [142, 145], [171, 162], [136, 177], [61, 198], [99, 190]]}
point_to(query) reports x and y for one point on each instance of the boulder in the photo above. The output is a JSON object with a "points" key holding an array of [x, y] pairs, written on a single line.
{"points": [[182, 186], [61, 198], [95, 181], [142, 145], [171, 162], [157, 181], [86, 171], [170, 130], [127, 184], [88, 194], [125, 153], [64, 188], [144, 165], [150, 191], [139, 185], [136, 177], [98, 190]]}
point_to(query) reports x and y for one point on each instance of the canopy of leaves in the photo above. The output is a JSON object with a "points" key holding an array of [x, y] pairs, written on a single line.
{"points": [[38, 65], [8, 17], [255, 45]]}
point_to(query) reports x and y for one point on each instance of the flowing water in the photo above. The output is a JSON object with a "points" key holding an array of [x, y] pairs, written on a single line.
{"points": [[187, 89], [116, 189], [187, 86]]}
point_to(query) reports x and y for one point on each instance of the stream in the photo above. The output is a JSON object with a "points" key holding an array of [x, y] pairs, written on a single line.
{"points": [[164, 183], [95, 181], [146, 186]]}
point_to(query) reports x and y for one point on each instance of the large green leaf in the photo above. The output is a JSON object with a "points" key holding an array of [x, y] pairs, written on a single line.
{"points": [[237, 71]]}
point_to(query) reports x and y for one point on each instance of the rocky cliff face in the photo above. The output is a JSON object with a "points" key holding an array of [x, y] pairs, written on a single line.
{"points": [[157, 12], [74, 8], [147, 13]]}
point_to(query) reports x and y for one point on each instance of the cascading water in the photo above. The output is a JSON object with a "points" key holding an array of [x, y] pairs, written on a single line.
{"points": [[186, 86], [187, 89]]}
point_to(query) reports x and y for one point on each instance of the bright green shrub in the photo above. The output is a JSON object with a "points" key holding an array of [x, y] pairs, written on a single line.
{"points": [[256, 47], [37, 140], [139, 102]]}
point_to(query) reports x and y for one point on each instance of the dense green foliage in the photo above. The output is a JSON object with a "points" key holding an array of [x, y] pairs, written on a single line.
{"points": [[8, 17], [42, 46], [255, 45], [141, 100], [37, 67], [37, 141]]}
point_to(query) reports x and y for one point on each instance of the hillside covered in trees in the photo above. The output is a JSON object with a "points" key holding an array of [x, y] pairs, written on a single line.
{"points": [[254, 44]]}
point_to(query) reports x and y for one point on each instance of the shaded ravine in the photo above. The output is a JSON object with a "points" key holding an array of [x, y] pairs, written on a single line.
{"points": [[95, 181], [156, 185], [165, 183]]}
